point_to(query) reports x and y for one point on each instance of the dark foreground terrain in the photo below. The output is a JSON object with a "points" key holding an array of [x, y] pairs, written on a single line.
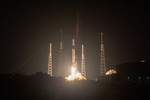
{"points": [[43, 87]]}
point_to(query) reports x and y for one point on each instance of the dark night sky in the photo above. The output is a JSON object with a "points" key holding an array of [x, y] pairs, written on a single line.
{"points": [[27, 28]]}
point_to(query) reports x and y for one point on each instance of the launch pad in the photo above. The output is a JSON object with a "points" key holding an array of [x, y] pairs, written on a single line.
{"points": [[75, 75]]}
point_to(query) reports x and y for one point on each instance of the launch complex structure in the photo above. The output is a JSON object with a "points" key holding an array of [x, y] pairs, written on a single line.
{"points": [[75, 54], [75, 60]]}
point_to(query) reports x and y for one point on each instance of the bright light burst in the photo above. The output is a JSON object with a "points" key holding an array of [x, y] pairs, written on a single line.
{"points": [[111, 71], [75, 75]]}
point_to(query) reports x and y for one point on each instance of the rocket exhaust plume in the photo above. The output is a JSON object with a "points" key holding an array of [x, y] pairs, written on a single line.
{"points": [[75, 75]]}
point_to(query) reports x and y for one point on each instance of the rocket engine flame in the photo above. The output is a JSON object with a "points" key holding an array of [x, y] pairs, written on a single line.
{"points": [[75, 75]]}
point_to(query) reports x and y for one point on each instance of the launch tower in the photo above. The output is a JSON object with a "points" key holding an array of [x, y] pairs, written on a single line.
{"points": [[102, 57], [60, 55], [83, 72], [50, 61]]}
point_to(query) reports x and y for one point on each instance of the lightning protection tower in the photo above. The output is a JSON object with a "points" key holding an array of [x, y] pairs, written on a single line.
{"points": [[61, 46], [83, 63], [60, 55], [102, 57], [50, 61]]}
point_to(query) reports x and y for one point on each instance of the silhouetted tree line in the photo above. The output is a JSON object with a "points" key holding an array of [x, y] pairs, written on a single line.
{"points": [[40, 86]]}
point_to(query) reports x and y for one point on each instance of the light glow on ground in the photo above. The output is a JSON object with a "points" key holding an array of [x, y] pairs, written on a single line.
{"points": [[111, 71]]}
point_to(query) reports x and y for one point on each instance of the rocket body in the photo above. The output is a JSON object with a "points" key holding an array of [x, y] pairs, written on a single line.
{"points": [[82, 51], [73, 52]]}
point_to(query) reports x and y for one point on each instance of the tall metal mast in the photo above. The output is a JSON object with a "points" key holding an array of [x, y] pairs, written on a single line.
{"points": [[50, 61], [61, 42], [102, 58], [83, 72], [60, 53]]}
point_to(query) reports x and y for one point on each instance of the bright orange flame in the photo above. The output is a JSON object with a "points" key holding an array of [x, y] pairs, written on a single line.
{"points": [[75, 75]]}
